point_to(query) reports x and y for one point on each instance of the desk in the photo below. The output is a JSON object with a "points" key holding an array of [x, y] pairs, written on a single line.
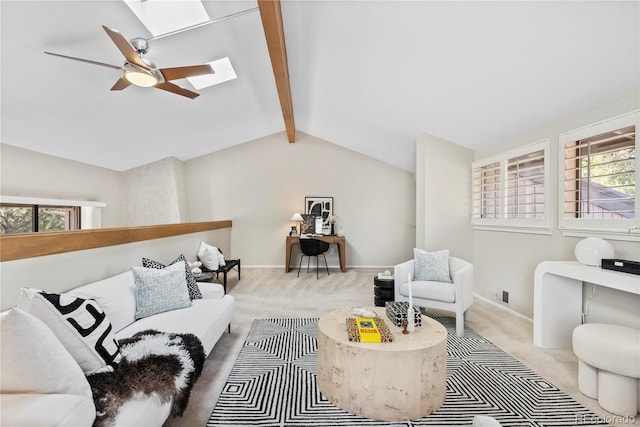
{"points": [[338, 240], [557, 298]]}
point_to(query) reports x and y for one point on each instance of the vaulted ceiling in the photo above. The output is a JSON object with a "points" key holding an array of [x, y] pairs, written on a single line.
{"points": [[367, 75]]}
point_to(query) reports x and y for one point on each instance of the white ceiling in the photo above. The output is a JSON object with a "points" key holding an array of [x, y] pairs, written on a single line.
{"points": [[367, 75]]}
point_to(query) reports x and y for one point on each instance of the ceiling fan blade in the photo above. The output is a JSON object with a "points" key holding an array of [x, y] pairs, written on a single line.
{"points": [[175, 73], [174, 88], [125, 48], [85, 60], [122, 83]]}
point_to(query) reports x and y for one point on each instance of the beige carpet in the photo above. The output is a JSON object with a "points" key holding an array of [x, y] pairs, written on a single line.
{"points": [[265, 293]]}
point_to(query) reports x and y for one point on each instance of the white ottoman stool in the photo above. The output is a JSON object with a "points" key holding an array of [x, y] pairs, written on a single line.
{"points": [[609, 366]]}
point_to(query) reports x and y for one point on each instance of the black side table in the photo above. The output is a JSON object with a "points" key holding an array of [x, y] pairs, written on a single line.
{"points": [[383, 291]]}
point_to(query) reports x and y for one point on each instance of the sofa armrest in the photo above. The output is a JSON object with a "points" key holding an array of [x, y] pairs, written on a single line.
{"points": [[462, 274], [211, 290]]}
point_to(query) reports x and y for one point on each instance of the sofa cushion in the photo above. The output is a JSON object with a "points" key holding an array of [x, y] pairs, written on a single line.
{"points": [[207, 318], [160, 290], [431, 265], [80, 324], [34, 361], [116, 296], [437, 291], [47, 410], [194, 292]]}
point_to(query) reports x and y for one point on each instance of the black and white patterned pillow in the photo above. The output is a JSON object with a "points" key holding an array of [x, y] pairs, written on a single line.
{"points": [[192, 285], [79, 324]]}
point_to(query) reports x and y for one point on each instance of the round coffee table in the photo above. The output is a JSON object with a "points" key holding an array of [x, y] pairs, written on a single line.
{"points": [[395, 381]]}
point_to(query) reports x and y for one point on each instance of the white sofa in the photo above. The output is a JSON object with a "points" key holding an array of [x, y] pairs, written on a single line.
{"points": [[207, 318]]}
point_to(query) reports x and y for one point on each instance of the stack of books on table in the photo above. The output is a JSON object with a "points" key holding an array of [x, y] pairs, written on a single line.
{"points": [[368, 329]]}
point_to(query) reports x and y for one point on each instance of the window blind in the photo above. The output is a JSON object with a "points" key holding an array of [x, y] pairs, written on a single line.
{"points": [[524, 184], [486, 191], [600, 175]]}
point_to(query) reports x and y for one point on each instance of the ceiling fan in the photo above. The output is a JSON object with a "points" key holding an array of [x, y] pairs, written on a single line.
{"points": [[142, 72]]}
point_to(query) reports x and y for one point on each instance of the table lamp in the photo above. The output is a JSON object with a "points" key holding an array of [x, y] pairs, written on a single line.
{"points": [[297, 218]]}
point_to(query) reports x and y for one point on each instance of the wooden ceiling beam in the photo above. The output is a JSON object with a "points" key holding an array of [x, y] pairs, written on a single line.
{"points": [[271, 15]]}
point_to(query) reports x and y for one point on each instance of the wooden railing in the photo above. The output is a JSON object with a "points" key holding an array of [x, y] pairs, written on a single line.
{"points": [[30, 245]]}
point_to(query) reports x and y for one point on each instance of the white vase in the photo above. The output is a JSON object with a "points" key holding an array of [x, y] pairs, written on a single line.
{"points": [[591, 250]]}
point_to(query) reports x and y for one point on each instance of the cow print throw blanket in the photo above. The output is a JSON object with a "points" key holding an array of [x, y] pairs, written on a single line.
{"points": [[154, 364]]}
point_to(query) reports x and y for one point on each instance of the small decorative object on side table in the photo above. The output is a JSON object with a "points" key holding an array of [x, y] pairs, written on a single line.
{"points": [[383, 288]]}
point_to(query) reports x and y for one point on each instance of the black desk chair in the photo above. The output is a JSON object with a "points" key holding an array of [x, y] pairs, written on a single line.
{"points": [[313, 247]]}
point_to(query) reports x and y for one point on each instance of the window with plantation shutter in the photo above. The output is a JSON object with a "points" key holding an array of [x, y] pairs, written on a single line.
{"points": [[599, 170], [525, 186], [510, 190], [486, 191]]}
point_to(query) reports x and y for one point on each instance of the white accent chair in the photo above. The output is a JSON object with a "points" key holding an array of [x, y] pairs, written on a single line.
{"points": [[455, 297]]}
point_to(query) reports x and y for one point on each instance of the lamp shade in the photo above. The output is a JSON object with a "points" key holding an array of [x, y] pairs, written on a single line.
{"points": [[296, 217], [591, 250]]}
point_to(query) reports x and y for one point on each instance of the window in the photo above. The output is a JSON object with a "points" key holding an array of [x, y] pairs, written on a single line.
{"points": [[34, 218], [599, 168], [20, 214], [510, 190]]}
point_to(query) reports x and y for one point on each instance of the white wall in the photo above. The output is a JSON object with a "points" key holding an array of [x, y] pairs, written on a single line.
{"points": [[261, 183], [443, 196], [507, 260], [61, 272], [31, 174], [154, 194]]}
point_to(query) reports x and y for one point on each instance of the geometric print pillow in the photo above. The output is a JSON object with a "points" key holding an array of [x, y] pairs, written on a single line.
{"points": [[431, 266], [79, 324], [160, 289], [192, 285]]}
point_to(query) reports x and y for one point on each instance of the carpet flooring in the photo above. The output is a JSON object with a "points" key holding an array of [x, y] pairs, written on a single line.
{"points": [[273, 383]]}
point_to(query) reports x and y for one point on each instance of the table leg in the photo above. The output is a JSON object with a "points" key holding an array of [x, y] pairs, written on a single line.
{"points": [[287, 257], [341, 255]]}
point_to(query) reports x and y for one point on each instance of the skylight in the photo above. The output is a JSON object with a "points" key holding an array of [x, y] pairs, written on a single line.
{"points": [[161, 17]]}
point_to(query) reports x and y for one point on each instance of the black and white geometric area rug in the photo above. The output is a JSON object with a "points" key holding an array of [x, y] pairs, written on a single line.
{"points": [[273, 383]]}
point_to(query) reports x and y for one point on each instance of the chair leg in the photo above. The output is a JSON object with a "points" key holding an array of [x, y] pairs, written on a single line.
{"points": [[317, 267], [460, 324], [308, 261], [325, 264], [300, 265]]}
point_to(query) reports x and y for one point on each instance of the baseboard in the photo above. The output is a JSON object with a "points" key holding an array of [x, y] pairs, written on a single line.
{"points": [[502, 307], [380, 267]]}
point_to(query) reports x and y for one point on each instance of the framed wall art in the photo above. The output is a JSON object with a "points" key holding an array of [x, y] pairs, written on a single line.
{"points": [[322, 207]]}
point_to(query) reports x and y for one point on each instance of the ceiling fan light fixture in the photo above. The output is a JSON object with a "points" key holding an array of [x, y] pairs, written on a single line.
{"points": [[140, 78]]}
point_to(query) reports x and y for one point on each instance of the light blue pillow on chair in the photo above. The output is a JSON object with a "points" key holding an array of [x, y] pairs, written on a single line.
{"points": [[431, 266]]}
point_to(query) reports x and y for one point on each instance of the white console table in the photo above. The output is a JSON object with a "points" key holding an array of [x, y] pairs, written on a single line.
{"points": [[557, 298]]}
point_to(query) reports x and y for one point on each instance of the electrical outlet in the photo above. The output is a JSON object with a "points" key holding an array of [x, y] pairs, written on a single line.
{"points": [[499, 294], [505, 297]]}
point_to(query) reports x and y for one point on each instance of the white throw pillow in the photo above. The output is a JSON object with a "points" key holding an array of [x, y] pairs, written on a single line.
{"points": [[431, 266], [34, 361], [211, 259], [160, 290], [80, 324], [210, 256]]}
